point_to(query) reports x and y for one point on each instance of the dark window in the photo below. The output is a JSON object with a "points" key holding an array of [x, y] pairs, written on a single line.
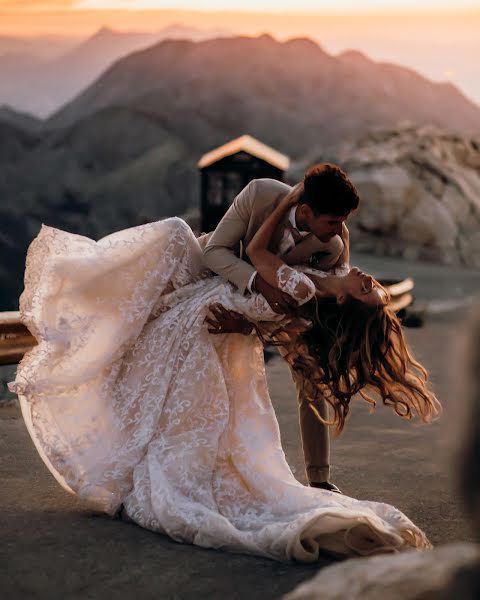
{"points": [[215, 189]]}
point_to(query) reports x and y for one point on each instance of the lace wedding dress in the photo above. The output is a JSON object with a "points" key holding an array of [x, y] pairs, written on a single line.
{"points": [[130, 400]]}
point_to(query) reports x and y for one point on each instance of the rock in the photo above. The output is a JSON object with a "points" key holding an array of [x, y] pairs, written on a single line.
{"points": [[428, 223], [384, 192], [470, 249], [457, 205], [407, 576], [420, 194]]}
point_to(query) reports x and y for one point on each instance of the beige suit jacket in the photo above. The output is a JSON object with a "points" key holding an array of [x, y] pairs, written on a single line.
{"points": [[224, 248]]}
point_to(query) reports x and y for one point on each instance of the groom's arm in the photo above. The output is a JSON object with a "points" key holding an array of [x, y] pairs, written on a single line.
{"points": [[218, 254], [342, 266], [345, 256]]}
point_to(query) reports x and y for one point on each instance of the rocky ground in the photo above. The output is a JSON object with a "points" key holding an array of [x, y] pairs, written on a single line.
{"points": [[52, 547]]}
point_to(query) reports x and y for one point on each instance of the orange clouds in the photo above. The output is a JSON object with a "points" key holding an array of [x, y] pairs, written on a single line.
{"points": [[34, 6], [33, 17]]}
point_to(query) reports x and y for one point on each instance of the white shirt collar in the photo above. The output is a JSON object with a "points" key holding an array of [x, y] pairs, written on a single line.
{"points": [[293, 221], [291, 217]]}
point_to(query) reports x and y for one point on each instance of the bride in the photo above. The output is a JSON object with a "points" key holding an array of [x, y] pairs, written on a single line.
{"points": [[132, 403]]}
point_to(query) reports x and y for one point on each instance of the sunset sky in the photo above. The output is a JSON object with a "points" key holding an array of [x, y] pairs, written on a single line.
{"points": [[18, 14], [256, 5], [83, 17], [259, 5]]}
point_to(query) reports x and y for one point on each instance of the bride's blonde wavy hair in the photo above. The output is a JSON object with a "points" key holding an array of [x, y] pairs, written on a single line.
{"points": [[355, 348]]}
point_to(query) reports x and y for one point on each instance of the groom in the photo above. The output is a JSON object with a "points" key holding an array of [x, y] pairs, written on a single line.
{"points": [[313, 232]]}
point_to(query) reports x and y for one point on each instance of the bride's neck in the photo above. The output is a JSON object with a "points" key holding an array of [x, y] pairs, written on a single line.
{"points": [[331, 286]]}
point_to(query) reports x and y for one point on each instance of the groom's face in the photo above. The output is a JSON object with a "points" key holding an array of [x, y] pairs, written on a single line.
{"points": [[323, 226]]}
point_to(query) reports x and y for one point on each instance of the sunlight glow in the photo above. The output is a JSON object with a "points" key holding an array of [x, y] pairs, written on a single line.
{"points": [[285, 6]]}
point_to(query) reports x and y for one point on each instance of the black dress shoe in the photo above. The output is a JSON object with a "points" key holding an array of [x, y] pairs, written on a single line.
{"points": [[326, 485], [122, 515]]}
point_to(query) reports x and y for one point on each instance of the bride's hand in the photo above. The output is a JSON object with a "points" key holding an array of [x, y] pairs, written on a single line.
{"points": [[292, 198], [227, 321]]}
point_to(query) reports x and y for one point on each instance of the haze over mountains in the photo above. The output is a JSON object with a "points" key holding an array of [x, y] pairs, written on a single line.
{"points": [[124, 151], [39, 75], [44, 47]]}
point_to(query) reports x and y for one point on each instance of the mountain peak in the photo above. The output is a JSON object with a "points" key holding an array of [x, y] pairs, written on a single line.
{"points": [[354, 56], [266, 37], [302, 41], [304, 44], [104, 31]]}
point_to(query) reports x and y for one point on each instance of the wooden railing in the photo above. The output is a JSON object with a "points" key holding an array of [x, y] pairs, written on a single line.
{"points": [[16, 339], [401, 292]]}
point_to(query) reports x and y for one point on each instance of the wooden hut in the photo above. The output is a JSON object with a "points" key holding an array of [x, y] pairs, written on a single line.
{"points": [[226, 170]]}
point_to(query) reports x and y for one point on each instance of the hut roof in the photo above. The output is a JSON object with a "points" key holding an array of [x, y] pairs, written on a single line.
{"points": [[246, 143]]}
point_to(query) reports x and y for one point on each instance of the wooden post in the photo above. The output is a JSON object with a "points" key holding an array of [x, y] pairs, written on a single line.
{"points": [[15, 338]]}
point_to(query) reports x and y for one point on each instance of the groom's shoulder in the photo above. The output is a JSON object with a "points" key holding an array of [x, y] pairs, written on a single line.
{"points": [[274, 186], [259, 195], [268, 190]]}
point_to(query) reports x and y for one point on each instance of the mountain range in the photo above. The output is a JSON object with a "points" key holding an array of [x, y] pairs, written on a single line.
{"points": [[124, 151], [248, 83]]}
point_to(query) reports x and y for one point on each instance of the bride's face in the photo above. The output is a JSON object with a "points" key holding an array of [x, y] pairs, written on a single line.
{"points": [[362, 287]]}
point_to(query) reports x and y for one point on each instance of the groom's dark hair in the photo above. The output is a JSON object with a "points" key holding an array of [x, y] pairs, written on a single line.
{"points": [[328, 190]]}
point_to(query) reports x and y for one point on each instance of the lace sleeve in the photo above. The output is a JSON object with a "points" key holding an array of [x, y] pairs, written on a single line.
{"points": [[339, 271], [296, 284]]}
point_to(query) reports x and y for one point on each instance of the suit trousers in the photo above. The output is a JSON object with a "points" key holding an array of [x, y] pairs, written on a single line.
{"points": [[315, 435]]}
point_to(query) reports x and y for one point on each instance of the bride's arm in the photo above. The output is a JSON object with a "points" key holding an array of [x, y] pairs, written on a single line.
{"points": [[265, 262], [222, 321]]}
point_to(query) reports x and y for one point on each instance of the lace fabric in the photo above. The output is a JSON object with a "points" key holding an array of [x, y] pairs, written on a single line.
{"points": [[295, 283], [129, 400]]}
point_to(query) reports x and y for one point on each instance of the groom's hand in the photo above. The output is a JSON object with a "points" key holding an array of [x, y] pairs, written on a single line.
{"points": [[279, 301]]}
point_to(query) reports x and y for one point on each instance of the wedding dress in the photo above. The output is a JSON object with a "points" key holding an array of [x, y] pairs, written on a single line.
{"points": [[129, 400]]}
